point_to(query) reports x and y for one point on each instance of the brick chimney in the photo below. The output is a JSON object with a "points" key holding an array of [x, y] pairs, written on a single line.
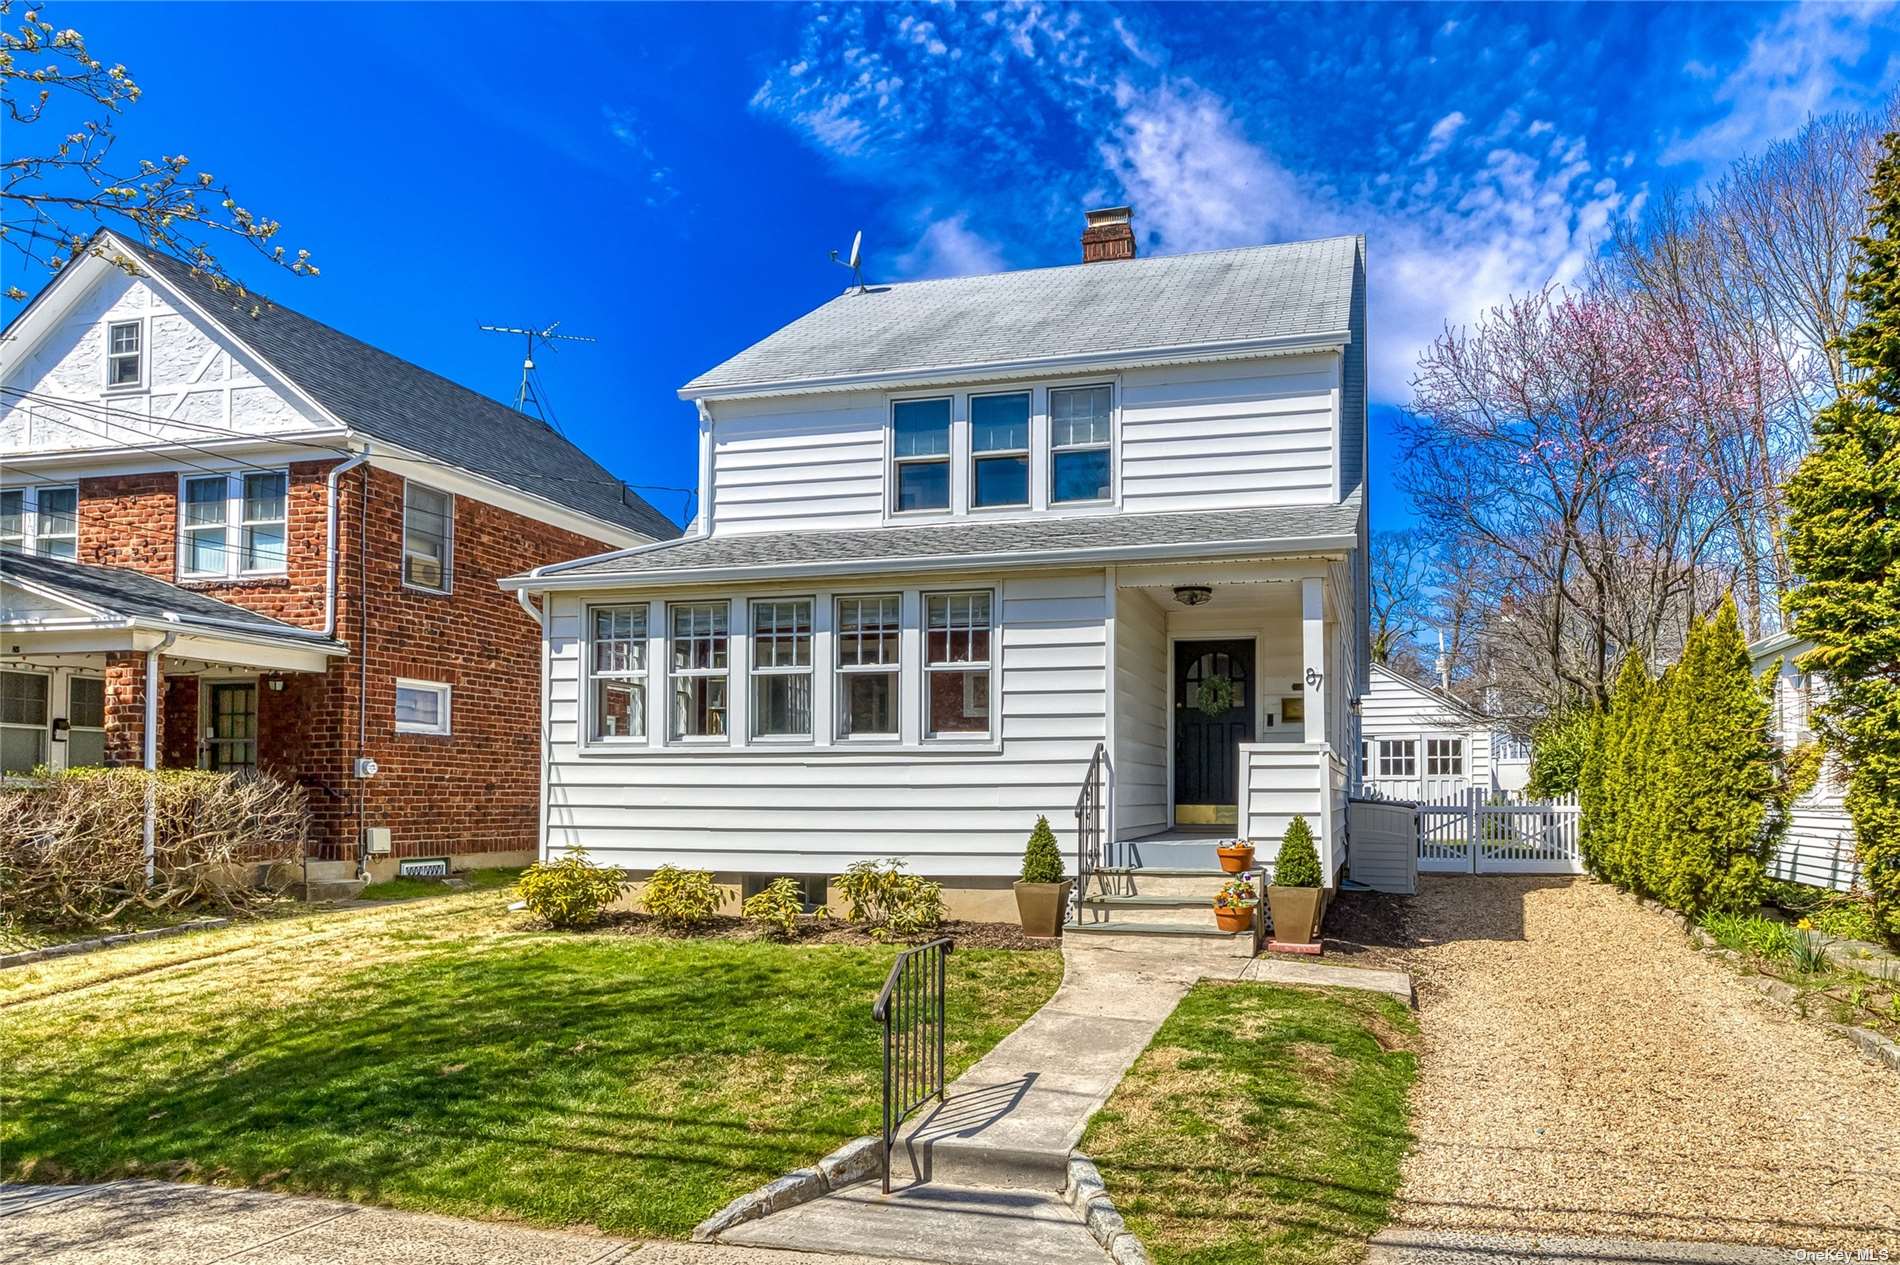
{"points": [[1110, 235]]}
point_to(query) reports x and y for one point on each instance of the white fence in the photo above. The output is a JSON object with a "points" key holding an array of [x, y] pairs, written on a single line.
{"points": [[1472, 835]]}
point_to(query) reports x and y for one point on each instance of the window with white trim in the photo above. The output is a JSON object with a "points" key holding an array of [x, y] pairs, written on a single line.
{"points": [[869, 640], [85, 722], [234, 524], [1444, 757], [957, 641], [617, 673], [422, 707], [1365, 759], [920, 455], [42, 520], [125, 359], [23, 702], [1398, 757], [999, 450], [1081, 461], [697, 647], [428, 531], [781, 668]]}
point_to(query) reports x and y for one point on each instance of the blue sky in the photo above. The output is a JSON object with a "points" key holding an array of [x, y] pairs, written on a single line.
{"points": [[670, 179]]}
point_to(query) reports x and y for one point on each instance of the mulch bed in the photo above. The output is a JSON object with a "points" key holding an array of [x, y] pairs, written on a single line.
{"points": [[1370, 929], [965, 935]]}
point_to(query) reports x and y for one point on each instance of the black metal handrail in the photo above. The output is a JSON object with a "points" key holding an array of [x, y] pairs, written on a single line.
{"points": [[1088, 826], [911, 1011]]}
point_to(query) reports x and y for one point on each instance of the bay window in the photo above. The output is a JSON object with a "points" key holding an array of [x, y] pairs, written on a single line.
{"points": [[781, 668], [698, 649], [234, 524], [617, 673], [1080, 433], [868, 663], [999, 450], [920, 455], [957, 664], [428, 521]]}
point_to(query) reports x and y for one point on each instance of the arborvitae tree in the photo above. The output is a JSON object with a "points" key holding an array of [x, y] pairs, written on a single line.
{"points": [[1591, 782], [1643, 821], [1042, 860], [1844, 540], [1720, 773], [1608, 789]]}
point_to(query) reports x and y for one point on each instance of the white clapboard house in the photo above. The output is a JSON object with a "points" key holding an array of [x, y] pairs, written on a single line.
{"points": [[972, 551], [1419, 743], [1817, 845]]}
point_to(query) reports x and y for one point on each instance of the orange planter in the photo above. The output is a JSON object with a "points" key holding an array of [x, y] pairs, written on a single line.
{"points": [[1233, 919], [1236, 858]]}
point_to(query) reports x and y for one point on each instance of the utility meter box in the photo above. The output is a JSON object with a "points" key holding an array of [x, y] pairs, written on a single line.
{"points": [[377, 837]]}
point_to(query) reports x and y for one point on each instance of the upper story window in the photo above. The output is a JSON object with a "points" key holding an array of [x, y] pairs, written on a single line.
{"points": [[999, 450], [234, 524], [1081, 464], [957, 664], [428, 528], [617, 673], [40, 520], [868, 666], [698, 647], [781, 668], [920, 455], [125, 358]]}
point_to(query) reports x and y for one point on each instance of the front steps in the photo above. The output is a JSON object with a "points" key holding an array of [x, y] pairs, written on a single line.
{"points": [[1156, 909], [328, 881]]}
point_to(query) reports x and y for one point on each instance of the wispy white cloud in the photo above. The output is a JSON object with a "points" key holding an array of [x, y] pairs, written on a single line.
{"points": [[948, 247], [1441, 134], [655, 178]]}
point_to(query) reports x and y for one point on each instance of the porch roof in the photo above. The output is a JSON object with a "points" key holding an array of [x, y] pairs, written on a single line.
{"points": [[1048, 540], [78, 598]]}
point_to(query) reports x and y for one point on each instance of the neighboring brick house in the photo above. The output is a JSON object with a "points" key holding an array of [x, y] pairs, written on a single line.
{"points": [[302, 535]]}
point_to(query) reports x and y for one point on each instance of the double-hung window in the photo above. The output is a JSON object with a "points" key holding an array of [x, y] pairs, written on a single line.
{"points": [[781, 668], [1081, 467], [697, 646], [23, 699], [999, 450], [920, 455], [40, 520], [422, 707], [868, 662], [617, 673], [957, 664], [125, 344], [428, 529], [1398, 757], [234, 524], [85, 722], [1444, 757]]}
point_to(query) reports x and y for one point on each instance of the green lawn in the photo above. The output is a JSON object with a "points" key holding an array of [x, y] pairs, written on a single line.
{"points": [[1262, 1125], [411, 888], [436, 1056]]}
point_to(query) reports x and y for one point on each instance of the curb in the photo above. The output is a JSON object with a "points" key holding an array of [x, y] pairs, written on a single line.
{"points": [[852, 1162], [72, 947], [1088, 1195]]}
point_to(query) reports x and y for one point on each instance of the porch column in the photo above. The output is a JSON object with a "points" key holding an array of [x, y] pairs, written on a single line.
{"points": [[1313, 682], [125, 709]]}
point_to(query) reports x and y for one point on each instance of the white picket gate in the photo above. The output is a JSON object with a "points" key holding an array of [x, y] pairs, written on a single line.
{"points": [[1471, 836]]}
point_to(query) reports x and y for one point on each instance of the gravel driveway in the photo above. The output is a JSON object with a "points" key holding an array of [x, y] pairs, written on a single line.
{"points": [[1585, 1071]]}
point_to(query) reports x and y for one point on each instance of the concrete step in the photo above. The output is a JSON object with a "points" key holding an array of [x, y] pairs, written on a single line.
{"points": [[1157, 881], [1160, 937], [954, 1225], [1187, 911], [329, 889]]}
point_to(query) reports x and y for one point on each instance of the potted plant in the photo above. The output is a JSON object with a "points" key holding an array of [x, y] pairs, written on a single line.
{"points": [[1235, 903], [1293, 900], [1043, 893], [1236, 855]]}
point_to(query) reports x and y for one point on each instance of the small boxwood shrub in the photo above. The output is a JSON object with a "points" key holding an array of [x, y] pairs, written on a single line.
{"points": [[1298, 862], [886, 901], [571, 892], [777, 906], [1042, 860], [679, 899]]}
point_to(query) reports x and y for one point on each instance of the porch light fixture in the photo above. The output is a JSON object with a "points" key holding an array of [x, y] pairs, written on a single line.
{"points": [[1193, 594]]}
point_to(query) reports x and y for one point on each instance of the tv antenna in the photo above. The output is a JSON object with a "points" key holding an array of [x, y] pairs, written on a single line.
{"points": [[855, 263], [530, 391]]}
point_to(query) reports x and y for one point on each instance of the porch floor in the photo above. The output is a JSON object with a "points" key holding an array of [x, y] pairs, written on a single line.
{"points": [[1177, 847]]}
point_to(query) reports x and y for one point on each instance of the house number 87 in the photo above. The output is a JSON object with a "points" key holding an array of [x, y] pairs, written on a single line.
{"points": [[1314, 678]]}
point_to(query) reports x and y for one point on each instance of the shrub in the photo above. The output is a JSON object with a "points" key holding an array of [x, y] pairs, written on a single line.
{"points": [[1042, 860], [571, 892], [679, 899], [1298, 862], [778, 906], [885, 901], [1559, 746], [72, 846]]}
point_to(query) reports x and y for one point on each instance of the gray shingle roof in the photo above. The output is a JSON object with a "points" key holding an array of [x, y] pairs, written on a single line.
{"points": [[133, 594], [1252, 293], [1094, 538], [387, 398]]}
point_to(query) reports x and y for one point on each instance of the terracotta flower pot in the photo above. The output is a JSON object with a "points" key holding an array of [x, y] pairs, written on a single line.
{"points": [[1296, 912], [1230, 919], [1040, 906], [1235, 858]]}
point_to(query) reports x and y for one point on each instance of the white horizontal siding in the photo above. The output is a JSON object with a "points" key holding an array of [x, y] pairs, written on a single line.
{"points": [[1279, 783], [814, 463], [1396, 708], [950, 812], [1142, 673], [1817, 848], [1384, 846], [1233, 435]]}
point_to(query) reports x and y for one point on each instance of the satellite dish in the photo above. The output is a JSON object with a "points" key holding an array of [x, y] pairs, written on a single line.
{"points": [[857, 246], [857, 252]]}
